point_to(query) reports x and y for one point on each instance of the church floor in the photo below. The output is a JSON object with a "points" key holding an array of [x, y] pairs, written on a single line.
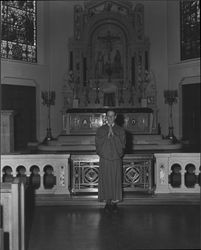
{"points": [[132, 227]]}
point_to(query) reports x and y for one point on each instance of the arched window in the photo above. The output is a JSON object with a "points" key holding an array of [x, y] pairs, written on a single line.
{"points": [[190, 29], [19, 30]]}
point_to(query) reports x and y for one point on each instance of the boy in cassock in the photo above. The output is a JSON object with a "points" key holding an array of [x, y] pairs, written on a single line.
{"points": [[110, 144]]}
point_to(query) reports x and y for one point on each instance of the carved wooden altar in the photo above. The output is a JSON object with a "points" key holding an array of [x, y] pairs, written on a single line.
{"points": [[109, 62]]}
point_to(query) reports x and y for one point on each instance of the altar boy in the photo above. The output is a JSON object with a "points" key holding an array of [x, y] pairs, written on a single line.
{"points": [[110, 144]]}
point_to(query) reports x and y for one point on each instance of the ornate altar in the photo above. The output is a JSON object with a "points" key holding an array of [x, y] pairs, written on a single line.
{"points": [[109, 62], [80, 126], [109, 66], [87, 120]]}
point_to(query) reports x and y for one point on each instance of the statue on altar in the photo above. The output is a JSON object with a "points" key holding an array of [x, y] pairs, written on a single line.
{"points": [[117, 65], [100, 65]]}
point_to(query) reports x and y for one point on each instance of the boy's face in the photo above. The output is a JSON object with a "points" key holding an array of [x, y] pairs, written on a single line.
{"points": [[111, 116]]}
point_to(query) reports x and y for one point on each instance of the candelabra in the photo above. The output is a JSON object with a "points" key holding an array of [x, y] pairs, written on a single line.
{"points": [[171, 98], [48, 98]]}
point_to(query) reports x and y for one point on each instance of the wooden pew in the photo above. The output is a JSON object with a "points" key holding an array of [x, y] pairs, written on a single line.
{"points": [[1, 239], [1, 230], [13, 222]]}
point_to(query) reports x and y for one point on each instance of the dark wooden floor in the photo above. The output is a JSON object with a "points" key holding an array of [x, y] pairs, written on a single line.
{"points": [[132, 227]]}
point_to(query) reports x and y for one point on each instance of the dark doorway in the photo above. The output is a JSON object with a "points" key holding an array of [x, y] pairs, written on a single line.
{"points": [[21, 99], [191, 115]]}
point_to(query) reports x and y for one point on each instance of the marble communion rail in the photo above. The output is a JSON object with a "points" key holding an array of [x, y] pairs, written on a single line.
{"points": [[68, 174]]}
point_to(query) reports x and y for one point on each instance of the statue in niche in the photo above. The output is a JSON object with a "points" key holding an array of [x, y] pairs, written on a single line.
{"points": [[117, 66], [108, 6], [100, 65], [92, 12], [108, 69]]}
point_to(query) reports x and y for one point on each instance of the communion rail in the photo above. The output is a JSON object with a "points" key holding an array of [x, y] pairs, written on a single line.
{"points": [[65, 174], [177, 173], [46, 173]]}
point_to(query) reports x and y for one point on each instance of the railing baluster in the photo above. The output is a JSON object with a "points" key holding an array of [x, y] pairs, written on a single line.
{"points": [[165, 162], [59, 162]]}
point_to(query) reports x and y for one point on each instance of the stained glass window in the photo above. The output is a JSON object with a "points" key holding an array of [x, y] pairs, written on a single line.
{"points": [[190, 29], [19, 30]]}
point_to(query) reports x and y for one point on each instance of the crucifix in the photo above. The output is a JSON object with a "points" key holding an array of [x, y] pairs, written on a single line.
{"points": [[108, 40]]}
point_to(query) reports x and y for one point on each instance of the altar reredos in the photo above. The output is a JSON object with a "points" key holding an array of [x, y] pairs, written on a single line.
{"points": [[109, 60]]}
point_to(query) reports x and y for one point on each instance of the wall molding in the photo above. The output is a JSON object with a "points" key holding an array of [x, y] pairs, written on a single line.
{"points": [[190, 80], [18, 81], [185, 64]]}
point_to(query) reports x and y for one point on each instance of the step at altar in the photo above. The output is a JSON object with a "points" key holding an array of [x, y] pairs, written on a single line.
{"points": [[86, 142]]}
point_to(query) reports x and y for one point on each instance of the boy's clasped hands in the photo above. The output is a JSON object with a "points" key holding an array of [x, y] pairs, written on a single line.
{"points": [[110, 133]]}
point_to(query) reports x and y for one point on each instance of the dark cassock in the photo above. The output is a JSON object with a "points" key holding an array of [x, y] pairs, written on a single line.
{"points": [[110, 149]]}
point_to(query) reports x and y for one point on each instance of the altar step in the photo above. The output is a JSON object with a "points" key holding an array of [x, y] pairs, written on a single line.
{"points": [[129, 199], [87, 143], [87, 139]]}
